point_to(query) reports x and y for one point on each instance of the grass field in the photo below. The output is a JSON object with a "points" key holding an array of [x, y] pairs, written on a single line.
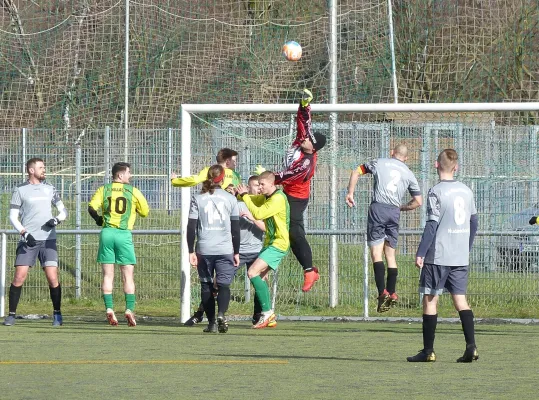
{"points": [[87, 359]]}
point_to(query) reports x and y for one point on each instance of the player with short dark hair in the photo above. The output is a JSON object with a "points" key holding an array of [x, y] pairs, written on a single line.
{"points": [[299, 168], [31, 201], [392, 178], [443, 255], [271, 206], [226, 158], [119, 202], [214, 222]]}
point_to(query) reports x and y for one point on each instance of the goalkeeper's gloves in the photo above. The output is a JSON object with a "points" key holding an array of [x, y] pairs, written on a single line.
{"points": [[259, 169], [29, 239], [533, 220], [306, 98], [51, 223], [99, 220]]}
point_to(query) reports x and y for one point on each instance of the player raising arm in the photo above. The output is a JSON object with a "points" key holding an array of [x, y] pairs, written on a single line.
{"points": [[271, 206], [392, 178], [299, 167], [443, 255], [31, 201], [119, 203], [214, 222], [226, 158]]}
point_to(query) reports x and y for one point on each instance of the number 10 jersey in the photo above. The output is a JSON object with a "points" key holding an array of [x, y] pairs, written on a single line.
{"points": [[119, 203]]}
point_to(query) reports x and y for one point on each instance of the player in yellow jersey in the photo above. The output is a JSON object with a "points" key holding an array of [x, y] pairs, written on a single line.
{"points": [[272, 207], [119, 203], [226, 158]]}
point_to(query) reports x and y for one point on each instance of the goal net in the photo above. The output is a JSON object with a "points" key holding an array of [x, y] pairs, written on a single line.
{"points": [[62, 63], [498, 158]]}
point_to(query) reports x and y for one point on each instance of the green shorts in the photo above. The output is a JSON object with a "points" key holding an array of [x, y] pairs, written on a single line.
{"points": [[272, 256], [116, 247]]}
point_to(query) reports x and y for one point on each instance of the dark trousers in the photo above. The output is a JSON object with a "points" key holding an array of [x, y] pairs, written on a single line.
{"points": [[298, 241]]}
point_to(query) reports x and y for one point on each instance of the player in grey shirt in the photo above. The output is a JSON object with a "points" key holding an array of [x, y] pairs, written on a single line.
{"points": [[392, 179], [214, 221], [31, 202], [443, 255]]}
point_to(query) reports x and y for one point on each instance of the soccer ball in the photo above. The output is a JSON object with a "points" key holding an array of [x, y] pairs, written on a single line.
{"points": [[292, 51]]}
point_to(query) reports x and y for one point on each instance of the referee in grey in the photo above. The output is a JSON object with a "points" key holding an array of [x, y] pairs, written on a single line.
{"points": [[31, 214]]}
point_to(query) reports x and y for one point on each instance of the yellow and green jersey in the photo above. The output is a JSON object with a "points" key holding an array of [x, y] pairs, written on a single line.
{"points": [[275, 212], [119, 203], [231, 177]]}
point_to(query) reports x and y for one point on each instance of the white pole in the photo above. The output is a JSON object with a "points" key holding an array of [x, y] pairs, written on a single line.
{"points": [[354, 107], [126, 83], [366, 279], [78, 220], [185, 280], [106, 176], [23, 154], [3, 276], [392, 47], [333, 251]]}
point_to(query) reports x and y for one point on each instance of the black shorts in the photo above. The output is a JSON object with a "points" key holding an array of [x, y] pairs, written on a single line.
{"points": [[435, 278], [222, 266], [44, 250], [383, 224]]}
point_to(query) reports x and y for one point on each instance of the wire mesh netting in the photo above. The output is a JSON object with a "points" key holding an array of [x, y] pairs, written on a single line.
{"points": [[498, 159], [62, 64]]}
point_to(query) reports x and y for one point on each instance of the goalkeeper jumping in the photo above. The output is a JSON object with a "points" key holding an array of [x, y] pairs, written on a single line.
{"points": [[295, 178]]}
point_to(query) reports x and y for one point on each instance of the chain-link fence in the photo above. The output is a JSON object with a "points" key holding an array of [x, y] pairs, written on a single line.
{"points": [[498, 162]]}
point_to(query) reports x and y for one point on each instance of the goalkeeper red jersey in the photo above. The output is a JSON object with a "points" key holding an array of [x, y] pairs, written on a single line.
{"points": [[298, 166]]}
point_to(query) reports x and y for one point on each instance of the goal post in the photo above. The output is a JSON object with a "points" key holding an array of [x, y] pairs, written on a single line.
{"points": [[445, 109]]}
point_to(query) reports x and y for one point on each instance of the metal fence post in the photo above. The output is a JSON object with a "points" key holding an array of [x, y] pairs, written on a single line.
{"points": [[23, 153], [365, 278], [78, 238], [169, 172], [106, 145], [3, 276]]}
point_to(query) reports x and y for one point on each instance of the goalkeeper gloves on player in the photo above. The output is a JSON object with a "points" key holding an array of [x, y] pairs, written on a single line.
{"points": [[259, 169], [306, 98], [99, 220], [51, 223], [533, 220], [29, 239]]}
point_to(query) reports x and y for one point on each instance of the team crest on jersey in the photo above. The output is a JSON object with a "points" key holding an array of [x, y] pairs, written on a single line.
{"points": [[307, 162]]}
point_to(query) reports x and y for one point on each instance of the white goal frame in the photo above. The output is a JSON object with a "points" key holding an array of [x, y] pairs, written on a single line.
{"points": [[332, 110]]}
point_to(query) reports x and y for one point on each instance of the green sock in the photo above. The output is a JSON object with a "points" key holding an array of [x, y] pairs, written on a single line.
{"points": [[262, 292], [130, 301], [107, 298]]}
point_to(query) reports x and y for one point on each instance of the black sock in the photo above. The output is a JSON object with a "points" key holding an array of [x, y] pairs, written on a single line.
{"points": [[392, 279], [466, 319], [429, 330], [14, 296], [56, 298], [208, 300], [379, 276], [223, 299], [199, 313]]}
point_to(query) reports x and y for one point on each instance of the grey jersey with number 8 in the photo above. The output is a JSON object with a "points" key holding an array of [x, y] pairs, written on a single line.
{"points": [[214, 212], [392, 178], [451, 204]]}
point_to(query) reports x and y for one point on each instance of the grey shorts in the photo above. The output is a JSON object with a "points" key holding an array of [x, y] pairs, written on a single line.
{"points": [[435, 278], [45, 250], [222, 266], [383, 224], [248, 259]]}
